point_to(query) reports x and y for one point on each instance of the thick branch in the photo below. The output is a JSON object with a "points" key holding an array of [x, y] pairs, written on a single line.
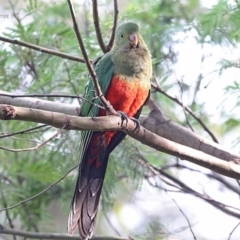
{"points": [[158, 123], [38, 104], [155, 122], [114, 123], [41, 49]]}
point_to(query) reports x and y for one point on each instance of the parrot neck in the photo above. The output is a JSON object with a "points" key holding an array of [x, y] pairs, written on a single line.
{"points": [[133, 63]]}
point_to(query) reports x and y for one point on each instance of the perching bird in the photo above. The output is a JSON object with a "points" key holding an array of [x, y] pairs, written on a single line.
{"points": [[124, 76]]}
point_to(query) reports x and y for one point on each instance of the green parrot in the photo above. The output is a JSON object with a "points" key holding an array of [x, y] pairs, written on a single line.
{"points": [[124, 76]]}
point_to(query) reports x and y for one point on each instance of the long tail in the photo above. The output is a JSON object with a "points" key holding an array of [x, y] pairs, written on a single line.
{"points": [[86, 197]]}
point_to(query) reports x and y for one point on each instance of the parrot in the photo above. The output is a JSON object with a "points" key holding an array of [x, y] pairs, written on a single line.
{"points": [[124, 75]]}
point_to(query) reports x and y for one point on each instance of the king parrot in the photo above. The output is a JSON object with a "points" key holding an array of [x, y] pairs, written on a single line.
{"points": [[124, 76]]}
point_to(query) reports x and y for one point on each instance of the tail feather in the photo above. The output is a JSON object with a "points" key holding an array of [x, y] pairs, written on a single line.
{"points": [[87, 193]]}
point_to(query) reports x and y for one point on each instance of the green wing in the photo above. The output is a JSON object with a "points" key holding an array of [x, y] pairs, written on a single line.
{"points": [[104, 70], [103, 67]]}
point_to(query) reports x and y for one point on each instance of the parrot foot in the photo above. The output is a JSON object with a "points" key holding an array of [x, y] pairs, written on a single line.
{"points": [[123, 117], [137, 128]]}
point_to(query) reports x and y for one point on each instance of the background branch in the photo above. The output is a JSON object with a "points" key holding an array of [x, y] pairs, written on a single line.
{"points": [[182, 187], [40, 193], [41, 49], [97, 26], [189, 110], [115, 18]]}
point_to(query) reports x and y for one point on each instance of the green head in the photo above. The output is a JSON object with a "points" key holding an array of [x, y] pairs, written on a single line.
{"points": [[128, 37], [130, 54]]}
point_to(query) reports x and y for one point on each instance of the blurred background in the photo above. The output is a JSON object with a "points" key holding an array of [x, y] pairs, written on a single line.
{"points": [[195, 52]]}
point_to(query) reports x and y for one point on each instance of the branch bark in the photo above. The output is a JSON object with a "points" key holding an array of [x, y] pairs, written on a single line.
{"points": [[158, 123], [155, 122], [114, 123], [38, 104]]}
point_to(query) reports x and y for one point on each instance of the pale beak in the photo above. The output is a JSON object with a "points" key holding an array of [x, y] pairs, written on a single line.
{"points": [[133, 40]]}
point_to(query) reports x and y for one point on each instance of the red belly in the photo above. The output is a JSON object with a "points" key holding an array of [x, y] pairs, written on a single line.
{"points": [[126, 96]]}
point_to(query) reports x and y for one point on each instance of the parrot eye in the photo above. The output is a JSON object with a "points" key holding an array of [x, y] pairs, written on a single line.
{"points": [[121, 36]]}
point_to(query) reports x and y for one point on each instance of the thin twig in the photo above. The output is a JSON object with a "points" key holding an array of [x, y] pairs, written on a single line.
{"points": [[111, 40], [14, 13], [159, 89], [184, 110], [184, 215], [214, 175], [69, 80], [92, 73], [41, 95], [6, 211], [38, 146], [204, 197], [40, 193], [111, 225], [230, 234], [23, 131], [97, 26], [160, 173], [41, 49]]}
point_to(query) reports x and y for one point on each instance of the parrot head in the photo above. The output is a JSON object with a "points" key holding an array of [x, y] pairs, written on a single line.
{"points": [[130, 54], [128, 37]]}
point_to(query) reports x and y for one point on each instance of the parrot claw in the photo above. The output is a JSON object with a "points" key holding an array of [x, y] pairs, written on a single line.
{"points": [[123, 117], [137, 128]]}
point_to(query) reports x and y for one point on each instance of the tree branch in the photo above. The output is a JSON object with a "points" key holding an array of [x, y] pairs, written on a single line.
{"points": [[155, 122], [38, 146], [115, 123], [158, 123], [41, 49], [213, 175], [4, 135], [5, 98], [40, 95], [184, 215], [184, 188], [97, 26], [111, 40], [10, 222], [50, 235], [92, 73], [40, 193], [189, 110]]}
